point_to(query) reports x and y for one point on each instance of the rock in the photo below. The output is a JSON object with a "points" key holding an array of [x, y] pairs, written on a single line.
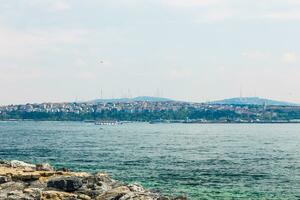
{"points": [[26, 176], [3, 179], [3, 196], [44, 167], [17, 163], [17, 195], [13, 191], [63, 169], [68, 184], [33, 192], [4, 163], [23, 181], [116, 193], [137, 196], [93, 193], [94, 185], [28, 170], [136, 188], [96, 182], [56, 195], [84, 197], [11, 186], [101, 177], [38, 184]]}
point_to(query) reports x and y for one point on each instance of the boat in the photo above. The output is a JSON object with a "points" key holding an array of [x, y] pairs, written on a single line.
{"points": [[107, 122]]}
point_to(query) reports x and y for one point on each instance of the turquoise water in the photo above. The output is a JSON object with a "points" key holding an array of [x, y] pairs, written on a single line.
{"points": [[202, 161]]}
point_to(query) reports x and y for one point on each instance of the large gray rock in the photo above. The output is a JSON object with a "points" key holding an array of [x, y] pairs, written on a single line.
{"points": [[36, 193], [3, 179], [135, 187], [94, 185], [68, 184], [18, 195], [101, 177], [38, 184], [44, 167], [12, 186], [12, 191], [116, 193], [17, 163], [137, 196], [4, 163]]}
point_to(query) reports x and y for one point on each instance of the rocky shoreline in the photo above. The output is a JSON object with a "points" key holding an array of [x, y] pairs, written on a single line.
{"points": [[24, 181]]}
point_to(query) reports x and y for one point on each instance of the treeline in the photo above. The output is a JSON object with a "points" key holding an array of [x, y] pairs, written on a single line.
{"points": [[147, 115], [124, 115]]}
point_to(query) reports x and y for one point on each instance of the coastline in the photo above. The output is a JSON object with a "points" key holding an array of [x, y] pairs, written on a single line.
{"points": [[21, 180], [164, 121]]}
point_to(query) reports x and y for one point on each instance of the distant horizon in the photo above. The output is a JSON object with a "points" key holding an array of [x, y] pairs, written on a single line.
{"points": [[148, 96]]}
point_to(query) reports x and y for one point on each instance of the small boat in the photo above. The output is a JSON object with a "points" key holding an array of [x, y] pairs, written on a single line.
{"points": [[107, 122]]}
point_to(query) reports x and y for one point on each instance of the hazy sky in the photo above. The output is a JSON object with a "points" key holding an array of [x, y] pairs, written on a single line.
{"points": [[197, 50]]}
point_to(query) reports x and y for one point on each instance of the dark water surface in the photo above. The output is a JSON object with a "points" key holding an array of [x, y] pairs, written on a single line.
{"points": [[203, 161]]}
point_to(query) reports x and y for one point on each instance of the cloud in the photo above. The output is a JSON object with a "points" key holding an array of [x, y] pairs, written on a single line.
{"points": [[292, 2], [290, 57], [214, 16], [255, 55], [61, 6], [51, 5], [283, 15], [191, 3], [179, 73], [25, 55], [23, 43]]}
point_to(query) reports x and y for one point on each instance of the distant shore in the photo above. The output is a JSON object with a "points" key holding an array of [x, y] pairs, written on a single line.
{"points": [[112, 122], [153, 112]]}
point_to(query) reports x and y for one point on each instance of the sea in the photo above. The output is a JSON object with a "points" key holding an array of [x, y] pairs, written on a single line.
{"points": [[200, 161]]}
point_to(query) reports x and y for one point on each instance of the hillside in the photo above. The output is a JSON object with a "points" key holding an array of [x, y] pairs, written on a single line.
{"points": [[252, 101], [140, 98]]}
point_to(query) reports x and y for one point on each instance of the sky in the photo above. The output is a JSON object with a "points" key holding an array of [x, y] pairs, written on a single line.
{"points": [[192, 50]]}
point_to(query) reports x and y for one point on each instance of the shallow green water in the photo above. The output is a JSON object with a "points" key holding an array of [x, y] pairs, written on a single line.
{"points": [[202, 161]]}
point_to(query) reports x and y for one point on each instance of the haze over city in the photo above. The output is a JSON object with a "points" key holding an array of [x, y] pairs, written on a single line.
{"points": [[192, 50]]}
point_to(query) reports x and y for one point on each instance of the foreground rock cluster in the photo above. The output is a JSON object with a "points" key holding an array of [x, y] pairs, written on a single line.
{"points": [[23, 181]]}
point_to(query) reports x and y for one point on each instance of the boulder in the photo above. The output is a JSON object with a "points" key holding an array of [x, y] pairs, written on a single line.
{"points": [[63, 169], [44, 167], [136, 196], [56, 195], [102, 177], [116, 193], [136, 188], [96, 183], [17, 163], [26, 176], [33, 192], [3, 179], [4, 163], [12, 186], [17, 195], [13, 191], [84, 197], [68, 184], [93, 193], [38, 184]]}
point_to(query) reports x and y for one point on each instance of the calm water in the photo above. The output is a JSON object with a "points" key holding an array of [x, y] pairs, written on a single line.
{"points": [[213, 161]]}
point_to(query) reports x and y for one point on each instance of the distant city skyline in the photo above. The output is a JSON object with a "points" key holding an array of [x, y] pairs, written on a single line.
{"points": [[190, 50]]}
